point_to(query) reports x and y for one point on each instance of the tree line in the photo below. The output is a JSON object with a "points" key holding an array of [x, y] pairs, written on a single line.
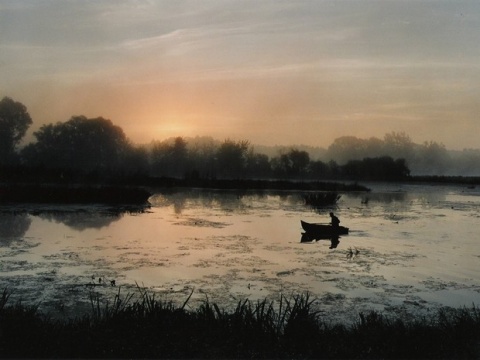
{"points": [[428, 158], [95, 148]]}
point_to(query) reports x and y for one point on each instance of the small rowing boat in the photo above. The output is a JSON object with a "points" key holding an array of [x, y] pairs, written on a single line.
{"points": [[323, 230]]}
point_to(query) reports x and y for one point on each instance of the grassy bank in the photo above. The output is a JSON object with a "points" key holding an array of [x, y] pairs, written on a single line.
{"points": [[288, 328], [73, 194], [439, 179]]}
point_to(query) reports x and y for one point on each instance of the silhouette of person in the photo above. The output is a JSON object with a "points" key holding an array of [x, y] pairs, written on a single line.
{"points": [[335, 221]]}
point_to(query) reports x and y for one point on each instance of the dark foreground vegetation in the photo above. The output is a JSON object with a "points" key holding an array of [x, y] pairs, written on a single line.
{"points": [[289, 328]]}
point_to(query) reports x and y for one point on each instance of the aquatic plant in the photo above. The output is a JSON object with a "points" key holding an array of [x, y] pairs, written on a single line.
{"points": [[291, 327]]}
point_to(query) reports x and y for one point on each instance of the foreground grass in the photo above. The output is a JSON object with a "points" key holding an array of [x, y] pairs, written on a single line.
{"points": [[289, 328]]}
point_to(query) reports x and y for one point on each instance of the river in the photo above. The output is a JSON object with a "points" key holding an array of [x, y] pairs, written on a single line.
{"points": [[411, 250]]}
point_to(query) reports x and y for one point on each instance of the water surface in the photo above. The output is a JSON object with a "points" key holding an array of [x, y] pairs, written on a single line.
{"points": [[411, 249]]}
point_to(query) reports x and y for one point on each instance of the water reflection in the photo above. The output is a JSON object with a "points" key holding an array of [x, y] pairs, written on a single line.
{"points": [[334, 240], [82, 220], [238, 201], [183, 199], [242, 202], [15, 222], [380, 197], [90, 218], [13, 227], [218, 242], [405, 197], [228, 200]]}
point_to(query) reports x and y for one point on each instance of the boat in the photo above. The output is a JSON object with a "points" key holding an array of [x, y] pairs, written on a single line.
{"points": [[322, 231]]}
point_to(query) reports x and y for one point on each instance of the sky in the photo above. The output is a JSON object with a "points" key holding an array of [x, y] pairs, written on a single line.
{"points": [[270, 72]]}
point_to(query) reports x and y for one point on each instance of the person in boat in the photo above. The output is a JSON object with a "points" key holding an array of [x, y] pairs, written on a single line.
{"points": [[335, 221]]}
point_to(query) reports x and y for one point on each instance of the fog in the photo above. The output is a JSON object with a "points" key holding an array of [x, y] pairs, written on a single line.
{"points": [[426, 158]]}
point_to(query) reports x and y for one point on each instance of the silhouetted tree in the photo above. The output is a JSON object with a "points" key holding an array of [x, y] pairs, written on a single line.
{"points": [[258, 165], [381, 168], [374, 147], [179, 157], [292, 164], [283, 169], [14, 123], [401, 169], [346, 148], [158, 159], [202, 154], [431, 158], [353, 170], [299, 161], [170, 157], [398, 145], [319, 170], [334, 169], [81, 144], [232, 158], [135, 161]]}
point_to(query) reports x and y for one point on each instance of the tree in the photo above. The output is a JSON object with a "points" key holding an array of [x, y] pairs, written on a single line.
{"points": [[293, 163], [232, 158], [399, 145], [258, 165], [319, 170], [346, 148], [431, 158], [158, 158], [14, 123], [299, 161], [170, 157], [202, 156], [382, 168], [80, 144], [179, 157], [135, 161]]}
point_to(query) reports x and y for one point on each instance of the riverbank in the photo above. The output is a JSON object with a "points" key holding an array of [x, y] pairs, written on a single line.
{"points": [[289, 328], [69, 194], [137, 193], [439, 179], [252, 184]]}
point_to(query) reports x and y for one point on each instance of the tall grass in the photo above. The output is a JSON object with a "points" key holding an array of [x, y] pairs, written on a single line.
{"points": [[291, 327]]}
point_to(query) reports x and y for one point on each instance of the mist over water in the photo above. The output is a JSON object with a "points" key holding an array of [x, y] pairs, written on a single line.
{"points": [[411, 249]]}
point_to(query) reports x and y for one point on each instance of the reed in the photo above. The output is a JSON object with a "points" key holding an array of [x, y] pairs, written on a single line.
{"points": [[292, 327]]}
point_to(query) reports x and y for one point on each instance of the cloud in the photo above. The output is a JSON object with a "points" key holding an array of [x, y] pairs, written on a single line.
{"points": [[318, 67]]}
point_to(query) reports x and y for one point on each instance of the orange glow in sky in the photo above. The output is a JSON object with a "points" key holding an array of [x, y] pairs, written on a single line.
{"points": [[271, 72]]}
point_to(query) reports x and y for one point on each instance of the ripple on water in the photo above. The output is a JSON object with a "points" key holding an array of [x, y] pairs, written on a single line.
{"points": [[414, 247]]}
